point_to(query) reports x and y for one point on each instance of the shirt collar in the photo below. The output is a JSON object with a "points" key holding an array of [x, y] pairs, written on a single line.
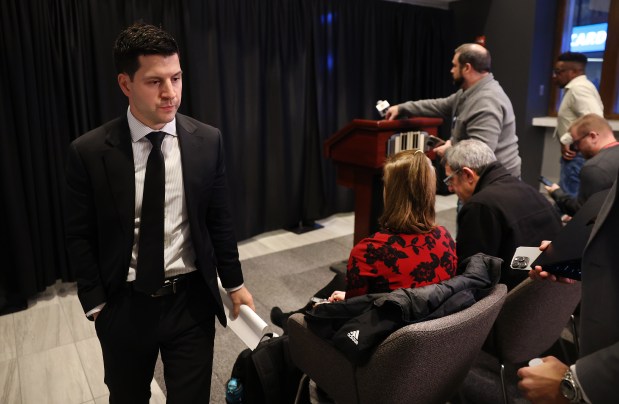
{"points": [[138, 130], [575, 81], [478, 84]]}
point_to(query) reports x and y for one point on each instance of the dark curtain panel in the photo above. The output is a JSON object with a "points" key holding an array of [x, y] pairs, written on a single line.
{"points": [[277, 77]]}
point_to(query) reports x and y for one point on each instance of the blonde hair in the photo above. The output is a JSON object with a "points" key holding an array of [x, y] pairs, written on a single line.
{"points": [[410, 193], [591, 122]]}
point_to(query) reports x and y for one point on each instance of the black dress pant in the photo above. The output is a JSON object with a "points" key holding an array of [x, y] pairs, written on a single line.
{"points": [[133, 327]]}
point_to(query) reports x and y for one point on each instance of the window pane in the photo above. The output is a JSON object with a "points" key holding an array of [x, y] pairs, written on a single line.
{"points": [[585, 32]]}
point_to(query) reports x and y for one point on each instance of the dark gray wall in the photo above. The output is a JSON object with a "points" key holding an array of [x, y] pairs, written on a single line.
{"points": [[519, 34]]}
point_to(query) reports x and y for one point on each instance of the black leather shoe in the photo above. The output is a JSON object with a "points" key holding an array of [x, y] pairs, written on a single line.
{"points": [[277, 316], [280, 318]]}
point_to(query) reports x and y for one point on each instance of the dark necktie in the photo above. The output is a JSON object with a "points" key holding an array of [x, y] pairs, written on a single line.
{"points": [[150, 270]]}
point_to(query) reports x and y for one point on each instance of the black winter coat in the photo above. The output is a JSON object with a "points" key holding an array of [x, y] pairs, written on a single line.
{"points": [[375, 316], [503, 214]]}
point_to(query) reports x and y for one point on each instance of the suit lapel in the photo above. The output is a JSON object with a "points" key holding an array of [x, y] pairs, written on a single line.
{"points": [[120, 170], [604, 212], [192, 157]]}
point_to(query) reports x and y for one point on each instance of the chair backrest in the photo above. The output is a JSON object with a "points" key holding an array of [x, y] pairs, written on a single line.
{"points": [[531, 320], [420, 363], [426, 362]]}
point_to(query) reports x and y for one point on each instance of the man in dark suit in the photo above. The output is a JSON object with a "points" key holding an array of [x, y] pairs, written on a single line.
{"points": [[591, 136], [147, 239], [593, 378]]}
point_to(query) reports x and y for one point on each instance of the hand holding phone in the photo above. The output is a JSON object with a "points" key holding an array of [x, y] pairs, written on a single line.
{"points": [[524, 257], [317, 300], [545, 181]]}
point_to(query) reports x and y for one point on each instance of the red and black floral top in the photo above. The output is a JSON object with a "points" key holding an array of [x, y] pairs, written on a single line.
{"points": [[386, 261]]}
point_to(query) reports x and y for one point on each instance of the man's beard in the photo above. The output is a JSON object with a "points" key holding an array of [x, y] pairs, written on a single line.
{"points": [[460, 80]]}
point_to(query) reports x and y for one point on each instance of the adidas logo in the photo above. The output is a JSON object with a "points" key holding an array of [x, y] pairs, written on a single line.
{"points": [[354, 336]]}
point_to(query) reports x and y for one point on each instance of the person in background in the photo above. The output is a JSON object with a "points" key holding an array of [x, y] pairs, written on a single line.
{"points": [[410, 251], [593, 378], [149, 228], [592, 136], [580, 98], [480, 109], [500, 213]]}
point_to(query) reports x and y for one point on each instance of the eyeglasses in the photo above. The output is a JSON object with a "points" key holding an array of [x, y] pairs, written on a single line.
{"points": [[574, 144], [557, 72], [447, 180]]}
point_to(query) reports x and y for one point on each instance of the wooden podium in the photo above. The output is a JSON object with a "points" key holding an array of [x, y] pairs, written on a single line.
{"points": [[359, 150]]}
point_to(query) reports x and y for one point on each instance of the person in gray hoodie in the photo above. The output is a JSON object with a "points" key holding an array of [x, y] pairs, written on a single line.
{"points": [[480, 109]]}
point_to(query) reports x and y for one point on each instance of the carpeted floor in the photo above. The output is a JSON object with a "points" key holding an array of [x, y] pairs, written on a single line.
{"points": [[286, 279]]}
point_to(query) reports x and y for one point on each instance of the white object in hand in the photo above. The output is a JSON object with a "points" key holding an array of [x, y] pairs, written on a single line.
{"points": [[535, 362], [248, 326], [382, 106], [566, 139]]}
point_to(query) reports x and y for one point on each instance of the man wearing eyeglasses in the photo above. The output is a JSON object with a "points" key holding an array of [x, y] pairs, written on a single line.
{"points": [[580, 97], [593, 137], [500, 212]]}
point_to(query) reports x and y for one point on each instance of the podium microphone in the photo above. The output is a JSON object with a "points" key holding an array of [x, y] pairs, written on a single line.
{"points": [[382, 106]]}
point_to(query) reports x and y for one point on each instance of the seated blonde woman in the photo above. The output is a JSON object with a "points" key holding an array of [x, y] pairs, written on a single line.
{"points": [[409, 251]]}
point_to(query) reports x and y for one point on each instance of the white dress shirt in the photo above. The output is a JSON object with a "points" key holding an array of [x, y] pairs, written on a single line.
{"points": [[580, 98], [178, 255]]}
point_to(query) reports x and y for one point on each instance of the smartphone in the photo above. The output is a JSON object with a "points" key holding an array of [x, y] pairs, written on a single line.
{"points": [[317, 300], [545, 181], [382, 106], [566, 269], [523, 257]]}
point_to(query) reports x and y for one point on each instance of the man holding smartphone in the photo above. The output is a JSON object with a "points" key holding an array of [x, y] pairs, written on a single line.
{"points": [[500, 212], [593, 378], [593, 137]]}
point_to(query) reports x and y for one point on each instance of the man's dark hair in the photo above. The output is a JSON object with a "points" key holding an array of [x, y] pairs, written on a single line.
{"points": [[574, 57], [476, 55], [141, 39]]}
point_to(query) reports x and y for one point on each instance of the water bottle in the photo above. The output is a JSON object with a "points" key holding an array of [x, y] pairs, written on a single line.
{"points": [[234, 391]]}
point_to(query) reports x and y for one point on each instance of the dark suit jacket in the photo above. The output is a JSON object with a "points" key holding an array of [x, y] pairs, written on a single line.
{"points": [[597, 174], [598, 366], [100, 208]]}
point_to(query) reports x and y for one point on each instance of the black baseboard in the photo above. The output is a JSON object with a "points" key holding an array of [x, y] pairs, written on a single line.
{"points": [[304, 227]]}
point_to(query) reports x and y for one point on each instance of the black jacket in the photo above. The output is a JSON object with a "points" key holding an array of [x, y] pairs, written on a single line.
{"points": [[376, 316], [503, 214], [597, 174], [100, 199]]}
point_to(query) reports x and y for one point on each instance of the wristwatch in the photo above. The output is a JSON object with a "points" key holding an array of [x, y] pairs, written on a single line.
{"points": [[570, 389]]}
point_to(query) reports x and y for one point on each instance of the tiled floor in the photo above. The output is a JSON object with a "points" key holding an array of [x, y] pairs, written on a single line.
{"points": [[49, 353]]}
